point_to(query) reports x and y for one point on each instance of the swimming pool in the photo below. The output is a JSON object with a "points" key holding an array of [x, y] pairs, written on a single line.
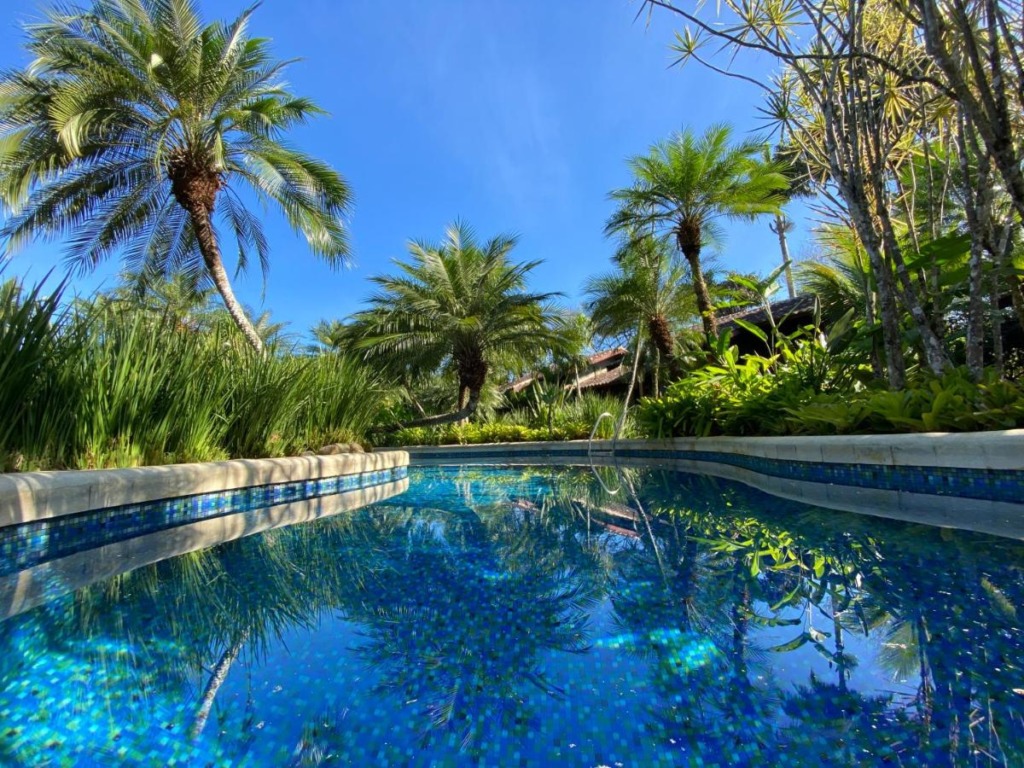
{"points": [[535, 616]]}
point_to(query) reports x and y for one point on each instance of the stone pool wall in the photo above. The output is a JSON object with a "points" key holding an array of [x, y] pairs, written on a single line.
{"points": [[999, 451], [28, 497], [967, 480]]}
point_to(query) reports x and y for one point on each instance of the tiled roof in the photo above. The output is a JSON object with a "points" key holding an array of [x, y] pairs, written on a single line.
{"points": [[591, 379], [601, 378], [607, 355]]}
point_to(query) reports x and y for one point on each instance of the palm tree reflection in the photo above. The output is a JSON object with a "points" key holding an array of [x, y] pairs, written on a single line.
{"points": [[457, 612]]}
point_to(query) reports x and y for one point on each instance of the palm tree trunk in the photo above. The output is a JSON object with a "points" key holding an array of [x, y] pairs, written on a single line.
{"points": [[703, 296], [656, 374], [207, 240], [461, 414]]}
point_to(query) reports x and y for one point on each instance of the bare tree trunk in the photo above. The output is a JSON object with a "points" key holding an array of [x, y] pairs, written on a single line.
{"points": [[781, 226], [207, 240], [417, 405], [217, 678], [977, 210], [877, 366], [632, 381], [850, 181], [976, 77], [892, 334]]}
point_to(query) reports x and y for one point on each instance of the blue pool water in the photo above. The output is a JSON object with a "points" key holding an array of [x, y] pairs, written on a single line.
{"points": [[527, 617]]}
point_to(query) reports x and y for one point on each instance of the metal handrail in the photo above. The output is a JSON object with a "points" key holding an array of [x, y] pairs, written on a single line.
{"points": [[590, 442]]}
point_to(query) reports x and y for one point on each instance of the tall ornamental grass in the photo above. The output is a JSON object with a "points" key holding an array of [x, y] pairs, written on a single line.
{"points": [[100, 386]]}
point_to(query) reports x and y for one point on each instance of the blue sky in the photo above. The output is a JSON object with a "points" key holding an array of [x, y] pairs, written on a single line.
{"points": [[516, 116]]}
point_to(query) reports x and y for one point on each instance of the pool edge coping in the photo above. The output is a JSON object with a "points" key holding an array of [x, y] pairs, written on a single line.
{"points": [[998, 450], [27, 497]]}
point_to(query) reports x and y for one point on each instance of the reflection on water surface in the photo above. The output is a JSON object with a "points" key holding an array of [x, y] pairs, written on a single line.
{"points": [[528, 617]]}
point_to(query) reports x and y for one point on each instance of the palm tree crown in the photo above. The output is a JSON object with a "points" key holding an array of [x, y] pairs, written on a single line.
{"points": [[458, 303], [136, 122], [683, 186], [648, 294]]}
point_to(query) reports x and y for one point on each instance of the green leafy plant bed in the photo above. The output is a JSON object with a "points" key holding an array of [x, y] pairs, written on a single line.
{"points": [[94, 386], [750, 400], [545, 415], [473, 434]]}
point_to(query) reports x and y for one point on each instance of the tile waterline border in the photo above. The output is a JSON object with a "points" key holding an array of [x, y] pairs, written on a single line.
{"points": [[978, 466], [30, 544], [29, 496]]}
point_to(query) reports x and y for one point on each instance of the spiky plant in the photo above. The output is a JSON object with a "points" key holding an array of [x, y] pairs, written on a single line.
{"points": [[137, 129], [686, 185]]}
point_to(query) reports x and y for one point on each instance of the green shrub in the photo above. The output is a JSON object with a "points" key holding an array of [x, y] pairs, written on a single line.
{"points": [[755, 399], [571, 419]]}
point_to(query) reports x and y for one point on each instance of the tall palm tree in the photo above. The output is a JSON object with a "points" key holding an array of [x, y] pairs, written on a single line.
{"points": [[794, 168], [458, 303], [136, 123], [685, 185], [648, 294]]}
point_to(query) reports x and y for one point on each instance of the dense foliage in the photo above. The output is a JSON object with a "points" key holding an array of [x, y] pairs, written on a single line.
{"points": [[565, 419], [138, 123], [103, 385], [800, 392]]}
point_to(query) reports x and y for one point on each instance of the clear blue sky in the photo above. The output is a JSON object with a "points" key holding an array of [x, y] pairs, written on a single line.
{"points": [[515, 115]]}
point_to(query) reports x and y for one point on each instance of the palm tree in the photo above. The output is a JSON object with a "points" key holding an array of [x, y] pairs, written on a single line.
{"points": [[683, 186], [136, 123], [795, 169], [647, 295], [330, 336], [576, 332], [460, 304]]}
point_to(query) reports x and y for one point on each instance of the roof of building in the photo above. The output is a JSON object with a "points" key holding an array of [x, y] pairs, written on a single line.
{"points": [[757, 314], [601, 378], [607, 355], [589, 379]]}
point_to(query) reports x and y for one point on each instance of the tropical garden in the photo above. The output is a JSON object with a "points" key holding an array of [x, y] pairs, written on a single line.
{"points": [[145, 136]]}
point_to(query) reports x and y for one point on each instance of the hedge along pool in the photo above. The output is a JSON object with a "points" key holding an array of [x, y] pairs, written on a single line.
{"points": [[532, 616]]}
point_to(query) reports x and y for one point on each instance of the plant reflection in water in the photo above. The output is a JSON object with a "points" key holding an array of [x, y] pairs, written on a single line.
{"points": [[488, 613]]}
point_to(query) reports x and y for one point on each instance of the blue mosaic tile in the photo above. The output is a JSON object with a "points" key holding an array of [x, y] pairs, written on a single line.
{"points": [[480, 619], [982, 484], [27, 545]]}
